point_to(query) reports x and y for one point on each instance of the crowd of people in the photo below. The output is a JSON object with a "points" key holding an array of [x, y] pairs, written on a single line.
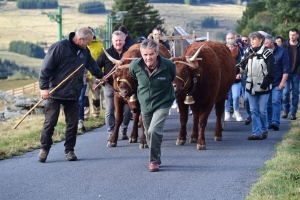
{"points": [[267, 71], [269, 77]]}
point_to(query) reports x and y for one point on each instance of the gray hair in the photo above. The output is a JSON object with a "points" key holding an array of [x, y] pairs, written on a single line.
{"points": [[270, 38], [117, 33], [149, 44], [84, 32], [231, 42], [256, 35]]}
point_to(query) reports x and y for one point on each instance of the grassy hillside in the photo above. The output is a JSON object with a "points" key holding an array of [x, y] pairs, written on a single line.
{"points": [[30, 25]]}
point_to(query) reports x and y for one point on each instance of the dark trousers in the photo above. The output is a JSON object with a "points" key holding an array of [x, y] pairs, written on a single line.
{"points": [[51, 116]]}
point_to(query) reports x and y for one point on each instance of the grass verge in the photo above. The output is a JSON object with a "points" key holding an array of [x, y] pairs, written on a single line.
{"points": [[26, 137], [281, 176]]}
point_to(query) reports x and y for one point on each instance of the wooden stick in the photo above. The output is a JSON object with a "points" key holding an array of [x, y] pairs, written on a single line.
{"points": [[244, 59], [40, 101]]}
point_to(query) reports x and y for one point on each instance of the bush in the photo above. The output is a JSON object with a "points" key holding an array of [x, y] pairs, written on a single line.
{"points": [[91, 8], [26, 48], [209, 22], [33, 4], [10, 68]]}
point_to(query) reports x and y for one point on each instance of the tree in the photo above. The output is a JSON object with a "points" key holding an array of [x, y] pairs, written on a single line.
{"points": [[285, 15], [252, 9], [262, 21], [140, 19]]}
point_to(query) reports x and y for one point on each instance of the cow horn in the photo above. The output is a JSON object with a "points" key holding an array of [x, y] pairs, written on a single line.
{"points": [[196, 54], [115, 61], [191, 64], [123, 66]]}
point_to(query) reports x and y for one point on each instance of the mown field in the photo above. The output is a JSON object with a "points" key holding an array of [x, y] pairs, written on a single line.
{"points": [[30, 25]]}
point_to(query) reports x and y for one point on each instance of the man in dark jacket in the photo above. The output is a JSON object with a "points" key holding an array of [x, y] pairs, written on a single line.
{"points": [[282, 69], [116, 51], [63, 58], [155, 75], [293, 48]]}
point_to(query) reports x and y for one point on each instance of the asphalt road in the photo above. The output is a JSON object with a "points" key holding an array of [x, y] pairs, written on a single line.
{"points": [[226, 170]]}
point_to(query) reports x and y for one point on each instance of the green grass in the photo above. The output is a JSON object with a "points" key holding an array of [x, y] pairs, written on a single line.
{"points": [[26, 137], [280, 178], [21, 60], [12, 84]]}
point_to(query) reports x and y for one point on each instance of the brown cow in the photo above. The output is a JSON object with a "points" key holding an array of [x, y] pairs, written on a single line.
{"points": [[125, 86], [207, 77]]}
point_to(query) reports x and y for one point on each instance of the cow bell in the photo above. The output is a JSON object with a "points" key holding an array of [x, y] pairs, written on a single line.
{"points": [[133, 98], [189, 100]]}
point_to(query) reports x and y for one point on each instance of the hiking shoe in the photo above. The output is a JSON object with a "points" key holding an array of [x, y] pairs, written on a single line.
{"points": [[153, 167], [274, 126], [254, 137], [70, 156], [81, 126], [293, 117], [42, 157], [123, 136], [284, 114], [264, 135], [248, 121]]}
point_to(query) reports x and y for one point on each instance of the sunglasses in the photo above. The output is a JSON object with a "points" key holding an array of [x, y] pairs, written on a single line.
{"points": [[245, 40]]}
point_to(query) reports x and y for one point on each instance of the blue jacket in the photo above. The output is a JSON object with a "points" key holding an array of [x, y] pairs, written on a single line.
{"points": [[282, 64]]}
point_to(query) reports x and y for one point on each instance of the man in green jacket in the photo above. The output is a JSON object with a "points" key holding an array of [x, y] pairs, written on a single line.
{"points": [[155, 75]]}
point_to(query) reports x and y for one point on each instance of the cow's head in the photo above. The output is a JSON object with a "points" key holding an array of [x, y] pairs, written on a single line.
{"points": [[186, 70]]}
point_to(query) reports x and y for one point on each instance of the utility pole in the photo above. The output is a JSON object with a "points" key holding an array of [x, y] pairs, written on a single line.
{"points": [[56, 17]]}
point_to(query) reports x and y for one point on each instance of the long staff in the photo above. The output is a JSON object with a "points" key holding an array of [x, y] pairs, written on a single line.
{"points": [[49, 93], [245, 59]]}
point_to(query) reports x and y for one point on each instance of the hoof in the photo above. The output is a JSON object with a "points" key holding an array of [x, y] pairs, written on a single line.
{"points": [[218, 138], [180, 142], [111, 144], [201, 147], [133, 140], [193, 140], [143, 146]]}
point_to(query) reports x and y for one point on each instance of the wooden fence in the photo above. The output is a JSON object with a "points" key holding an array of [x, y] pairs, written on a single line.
{"points": [[27, 89]]}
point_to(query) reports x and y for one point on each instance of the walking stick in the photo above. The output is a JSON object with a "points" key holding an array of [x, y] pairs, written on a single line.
{"points": [[40, 101], [244, 59]]}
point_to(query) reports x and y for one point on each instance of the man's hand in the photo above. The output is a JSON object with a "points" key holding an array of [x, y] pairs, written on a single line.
{"points": [[94, 86], [45, 94], [281, 86]]}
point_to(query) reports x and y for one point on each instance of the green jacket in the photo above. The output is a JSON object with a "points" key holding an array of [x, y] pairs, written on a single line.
{"points": [[157, 91]]}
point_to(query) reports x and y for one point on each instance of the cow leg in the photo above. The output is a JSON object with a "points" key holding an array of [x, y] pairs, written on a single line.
{"points": [[183, 110], [219, 106], [194, 135], [119, 104], [134, 131], [143, 141], [201, 145]]}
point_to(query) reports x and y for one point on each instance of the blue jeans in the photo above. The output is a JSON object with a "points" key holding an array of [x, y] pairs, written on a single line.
{"points": [[233, 93], [81, 103], [274, 106], [110, 112], [154, 128], [245, 95], [292, 81], [258, 108]]}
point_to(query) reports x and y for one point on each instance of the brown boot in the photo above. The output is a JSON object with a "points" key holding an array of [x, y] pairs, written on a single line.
{"points": [[42, 157], [284, 114]]}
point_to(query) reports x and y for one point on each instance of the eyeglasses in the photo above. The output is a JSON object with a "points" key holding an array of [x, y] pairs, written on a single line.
{"points": [[245, 40]]}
